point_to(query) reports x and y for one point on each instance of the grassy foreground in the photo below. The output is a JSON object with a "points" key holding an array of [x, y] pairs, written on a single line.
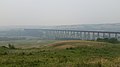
{"points": [[63, 54]]}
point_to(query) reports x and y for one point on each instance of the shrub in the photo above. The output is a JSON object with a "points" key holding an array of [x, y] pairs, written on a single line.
{"points": [[30, 53], [4, 47], [22, 53], [11, 46], [5, 53], [71, 48]]}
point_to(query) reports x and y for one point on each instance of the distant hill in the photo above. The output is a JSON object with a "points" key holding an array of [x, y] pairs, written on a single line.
{"points": [[92, 27], [15, 31], [89, 27]]}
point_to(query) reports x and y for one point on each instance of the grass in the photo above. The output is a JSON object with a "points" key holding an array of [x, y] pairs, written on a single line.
{"points": [[73, 53], [27, 43]]}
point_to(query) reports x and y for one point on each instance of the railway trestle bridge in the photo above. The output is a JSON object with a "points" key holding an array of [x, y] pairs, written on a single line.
{"points": [[73, 34]]}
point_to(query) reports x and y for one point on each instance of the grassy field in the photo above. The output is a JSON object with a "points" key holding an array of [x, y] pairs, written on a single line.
{"points": [[71, 53], [28, 43]]}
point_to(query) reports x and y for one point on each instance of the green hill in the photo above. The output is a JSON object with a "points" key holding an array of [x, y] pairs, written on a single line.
{"points": [[73, 53]]}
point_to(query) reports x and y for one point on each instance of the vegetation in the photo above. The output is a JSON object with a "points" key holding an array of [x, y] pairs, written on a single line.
{"points": [[109, 40], [72, 53], [11, 38], [11, 46]]}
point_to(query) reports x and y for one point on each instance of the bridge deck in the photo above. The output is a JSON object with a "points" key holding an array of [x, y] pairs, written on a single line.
{"points": [[73, 30]]}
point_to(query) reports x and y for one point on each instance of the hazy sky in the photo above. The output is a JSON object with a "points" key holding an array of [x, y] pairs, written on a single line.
{"points": [[58, 12]]}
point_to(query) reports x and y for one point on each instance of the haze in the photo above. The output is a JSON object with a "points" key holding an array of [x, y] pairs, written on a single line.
{"points": [[58, 12]]}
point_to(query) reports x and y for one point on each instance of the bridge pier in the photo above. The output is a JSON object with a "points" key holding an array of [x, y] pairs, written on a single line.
{"points": [[116, 35], [93, 37], [98, 35], [80, 35], [103, 35], [84, 37], [88, 37], [109, 35]]}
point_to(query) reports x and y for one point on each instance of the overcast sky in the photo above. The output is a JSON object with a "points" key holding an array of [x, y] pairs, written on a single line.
{"points": [[58, 12]]}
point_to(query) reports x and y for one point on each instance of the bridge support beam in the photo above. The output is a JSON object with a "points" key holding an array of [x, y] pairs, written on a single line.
{"points": [[73, 34]]}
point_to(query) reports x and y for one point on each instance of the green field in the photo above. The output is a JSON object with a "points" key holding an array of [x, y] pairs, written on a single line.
{"points": [[53, 53]]}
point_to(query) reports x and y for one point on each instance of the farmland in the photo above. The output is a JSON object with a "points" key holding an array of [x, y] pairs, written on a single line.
{"points": [[57, 53]]}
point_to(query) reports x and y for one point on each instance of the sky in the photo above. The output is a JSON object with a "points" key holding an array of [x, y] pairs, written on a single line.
{"points": [[58, 12]]}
